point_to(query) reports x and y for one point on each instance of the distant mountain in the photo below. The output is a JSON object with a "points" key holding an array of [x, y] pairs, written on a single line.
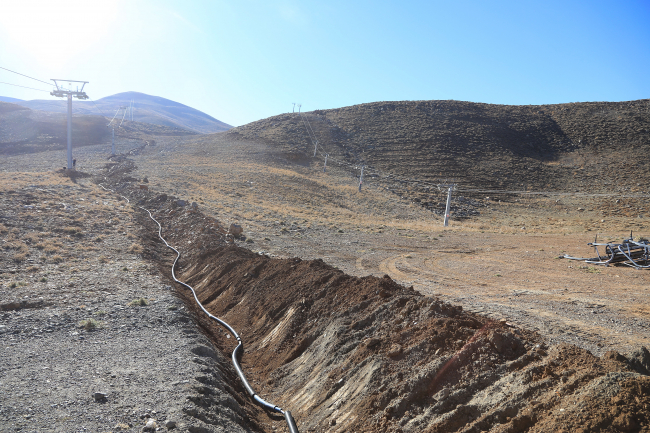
{"points": [[23, 130], [12, 100], [147, 109]]}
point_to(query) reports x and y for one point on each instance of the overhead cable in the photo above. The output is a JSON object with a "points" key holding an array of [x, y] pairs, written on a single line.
{"points": [[25, 87], [98, 108], [49, 84]]}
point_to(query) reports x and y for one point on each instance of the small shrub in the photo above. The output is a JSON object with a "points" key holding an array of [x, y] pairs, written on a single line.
{"points": [[125, 269], [20, 257], [103, 259], [98, 239], [31, 238], [13, 284], [90, 324], [57, 259], [140, 302], [50, 248], [43, 280]]}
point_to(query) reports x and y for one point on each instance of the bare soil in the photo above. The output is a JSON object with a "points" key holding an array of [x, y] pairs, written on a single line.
{"points": [[360, 312]]}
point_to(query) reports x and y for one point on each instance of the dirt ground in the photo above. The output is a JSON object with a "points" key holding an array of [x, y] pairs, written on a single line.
{"points": [[496, 334], [503, 264]]}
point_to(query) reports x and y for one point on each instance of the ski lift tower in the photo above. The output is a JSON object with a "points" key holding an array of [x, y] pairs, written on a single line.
{"points": [[60, 92]]}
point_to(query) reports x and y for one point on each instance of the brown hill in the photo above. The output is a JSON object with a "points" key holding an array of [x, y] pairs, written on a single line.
{"points": [[591, 146]]}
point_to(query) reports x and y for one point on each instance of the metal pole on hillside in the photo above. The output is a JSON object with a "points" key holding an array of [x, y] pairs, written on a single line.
{"points": [[79, 94], [361, 177], [447, 207], [450, 188], [70, 164]]}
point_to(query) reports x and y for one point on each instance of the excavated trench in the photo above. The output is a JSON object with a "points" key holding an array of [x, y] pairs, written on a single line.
{"points": [[366, 354]]}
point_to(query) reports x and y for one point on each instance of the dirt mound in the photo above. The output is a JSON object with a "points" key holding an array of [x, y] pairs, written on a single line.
{"points": [[365, 354]]}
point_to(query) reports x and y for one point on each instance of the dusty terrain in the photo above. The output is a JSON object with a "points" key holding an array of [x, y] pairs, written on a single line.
{"points": [[82, 312], [497, 333]]}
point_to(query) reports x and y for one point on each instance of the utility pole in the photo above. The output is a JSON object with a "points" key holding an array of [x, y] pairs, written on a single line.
{"points": [[79, 94], [361, 177], [113, 143], [450, 188], [294, 107], [123, 107], [299, 105]]}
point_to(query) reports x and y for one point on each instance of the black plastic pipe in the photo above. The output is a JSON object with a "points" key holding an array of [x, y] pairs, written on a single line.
{"points": [[240, 346]]}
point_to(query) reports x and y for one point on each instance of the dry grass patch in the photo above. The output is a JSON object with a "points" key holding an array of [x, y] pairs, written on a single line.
{"points": [[19, 246], [20, 257], [140, 302], [73, 231], [57, 259], [136, 248], [50, 248], [31, 238], [90, 324]]}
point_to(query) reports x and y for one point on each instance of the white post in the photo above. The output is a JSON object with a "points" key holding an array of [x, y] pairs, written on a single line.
{"points": [[361, 178], [447, 207], [325, 165], [69, 131], [113, 143]]}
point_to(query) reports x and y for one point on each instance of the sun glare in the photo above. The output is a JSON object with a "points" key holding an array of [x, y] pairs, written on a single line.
{"points": [[55, 32]]}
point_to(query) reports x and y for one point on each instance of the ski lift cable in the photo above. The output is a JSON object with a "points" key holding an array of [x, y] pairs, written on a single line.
{"points": [[25, 87], [49, 84]]}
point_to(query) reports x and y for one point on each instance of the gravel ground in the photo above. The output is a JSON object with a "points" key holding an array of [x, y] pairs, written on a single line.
{"points": [[69, 257]]}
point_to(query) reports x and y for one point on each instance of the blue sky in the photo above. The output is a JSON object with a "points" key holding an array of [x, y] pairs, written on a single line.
{"points": [[244, 60]]}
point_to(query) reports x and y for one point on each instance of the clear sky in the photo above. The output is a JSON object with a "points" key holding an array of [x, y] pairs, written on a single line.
{"points": [[244, 60]]}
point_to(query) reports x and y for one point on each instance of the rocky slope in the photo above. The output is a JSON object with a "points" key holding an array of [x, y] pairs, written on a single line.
{"points": [[591, 146]]}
